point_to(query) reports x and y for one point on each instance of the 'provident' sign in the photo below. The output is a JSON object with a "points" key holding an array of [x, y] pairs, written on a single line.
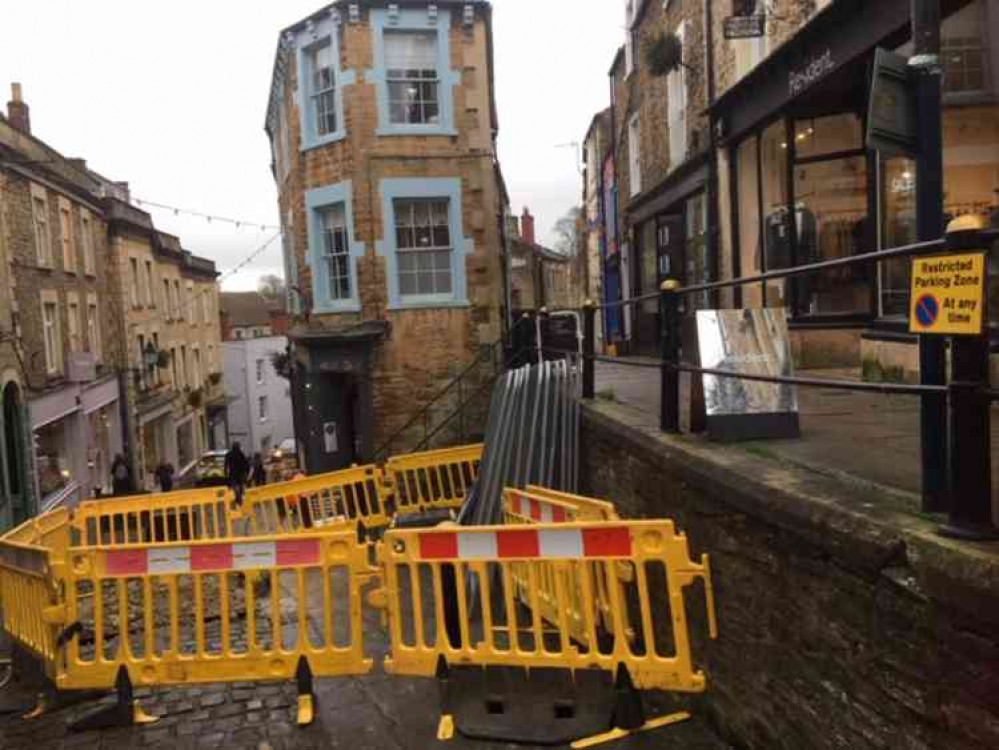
{"points": [[947, 295]]}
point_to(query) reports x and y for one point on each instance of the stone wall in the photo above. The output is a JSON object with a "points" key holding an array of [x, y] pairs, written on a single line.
{"points": [[845, 621]]}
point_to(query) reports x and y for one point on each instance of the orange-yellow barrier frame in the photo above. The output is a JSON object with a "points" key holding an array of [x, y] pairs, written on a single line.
{"points": [[432, 480], [418, 564]]}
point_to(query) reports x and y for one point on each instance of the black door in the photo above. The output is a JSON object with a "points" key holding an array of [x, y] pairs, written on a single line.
{"points": [[669, 242], [336, 441], [13, 457]]}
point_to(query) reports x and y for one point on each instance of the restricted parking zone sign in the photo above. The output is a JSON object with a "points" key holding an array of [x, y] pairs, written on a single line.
{"points": [[947, 295]]}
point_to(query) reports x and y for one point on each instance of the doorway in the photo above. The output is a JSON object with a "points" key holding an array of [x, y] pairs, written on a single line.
{"points": [[13, 440], [337, 443]]}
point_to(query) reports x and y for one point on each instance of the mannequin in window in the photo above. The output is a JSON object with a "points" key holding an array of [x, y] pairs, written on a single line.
{"points": [[777, 236]]}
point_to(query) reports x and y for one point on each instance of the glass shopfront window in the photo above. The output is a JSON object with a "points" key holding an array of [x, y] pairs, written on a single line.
{"points": [[831, 214], [185, 444], [777, 228], [748, 190], [52, 452], [696, 248], [898, 227]]}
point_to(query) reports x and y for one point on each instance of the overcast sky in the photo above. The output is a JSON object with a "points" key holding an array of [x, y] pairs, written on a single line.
{"points": [[171, 97]]}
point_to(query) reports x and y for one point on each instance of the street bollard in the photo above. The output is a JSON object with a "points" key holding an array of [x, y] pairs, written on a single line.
{"points": [[589, 347], [970, 464], [669, 391]]}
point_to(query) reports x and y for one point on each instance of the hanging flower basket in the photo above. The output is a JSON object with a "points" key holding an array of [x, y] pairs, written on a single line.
{"points": [[215, 378], [663, 54], [195, 398], [163, 359]]}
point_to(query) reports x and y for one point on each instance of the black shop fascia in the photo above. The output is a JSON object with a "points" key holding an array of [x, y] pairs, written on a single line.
{"points": [[802, 187]]}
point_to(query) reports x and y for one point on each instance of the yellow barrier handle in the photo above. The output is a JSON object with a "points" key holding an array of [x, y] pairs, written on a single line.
{"points": [[709, 597]]}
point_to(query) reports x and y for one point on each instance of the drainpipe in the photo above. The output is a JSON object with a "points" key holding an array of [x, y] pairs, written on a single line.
{"points": [[713, 217]]}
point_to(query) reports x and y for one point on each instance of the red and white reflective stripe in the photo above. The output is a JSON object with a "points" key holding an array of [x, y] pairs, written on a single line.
{"points": [[204, 557], [526, 543], [538, 510]]}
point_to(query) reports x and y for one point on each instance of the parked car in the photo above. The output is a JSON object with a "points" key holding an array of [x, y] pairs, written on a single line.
{"points": [[210, 471]]}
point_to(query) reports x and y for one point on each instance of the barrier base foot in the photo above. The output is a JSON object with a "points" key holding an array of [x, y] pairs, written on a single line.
{"points": [[445, 729], [124, 712], [306, 710], [306, 693], [543, 706], [617, 734]]}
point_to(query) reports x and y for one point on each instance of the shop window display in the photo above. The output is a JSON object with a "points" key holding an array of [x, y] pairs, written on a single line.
{"points": [[51, 447]]}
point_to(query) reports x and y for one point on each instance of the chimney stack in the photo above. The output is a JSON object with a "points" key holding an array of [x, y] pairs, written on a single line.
{"points": [[527, 227], [17, 110]]}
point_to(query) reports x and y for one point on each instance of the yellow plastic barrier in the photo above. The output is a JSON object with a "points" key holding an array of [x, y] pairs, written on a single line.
{"points": [[432, 480], [584, 508], [540, 505], [166, 517], [28, 594], [346, 497], [213, 611], [487, 627]]}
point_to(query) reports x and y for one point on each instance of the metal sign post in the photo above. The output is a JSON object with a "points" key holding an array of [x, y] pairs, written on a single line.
{"points": [[959, 294]]}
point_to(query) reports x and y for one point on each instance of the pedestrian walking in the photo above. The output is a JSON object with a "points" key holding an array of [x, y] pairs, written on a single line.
{"points": [[164, 475], [258, 475], [121, 476], [237, 470]]}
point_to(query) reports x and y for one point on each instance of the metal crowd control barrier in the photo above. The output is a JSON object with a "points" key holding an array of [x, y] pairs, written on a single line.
{"points": [[348, 497], [433, 480], [492, 630]]}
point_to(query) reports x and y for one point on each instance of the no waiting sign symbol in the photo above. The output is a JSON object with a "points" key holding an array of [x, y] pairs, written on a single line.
{"points": [[927, 310]]}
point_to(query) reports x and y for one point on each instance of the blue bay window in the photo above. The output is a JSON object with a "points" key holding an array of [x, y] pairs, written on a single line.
{"points": [[424, 244], [333, 252], [412, 72], [321, 84]]}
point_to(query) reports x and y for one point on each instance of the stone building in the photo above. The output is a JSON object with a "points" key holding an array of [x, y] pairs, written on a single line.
{"points": [[791, 114], [259, 391], [248, 315], [660, 136], [598, 200], [58, 324], [382, 122], [17, 490], [169, 324], [770, 166], [539, 276]]}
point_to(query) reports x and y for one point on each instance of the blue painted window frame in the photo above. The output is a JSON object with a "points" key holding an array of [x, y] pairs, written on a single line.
{"points": [[315, 200], [305, 42], [462, 246], [414, 19]]}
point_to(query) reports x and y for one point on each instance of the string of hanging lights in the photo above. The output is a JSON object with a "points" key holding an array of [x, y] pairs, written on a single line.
{"points": [[210, 218]]}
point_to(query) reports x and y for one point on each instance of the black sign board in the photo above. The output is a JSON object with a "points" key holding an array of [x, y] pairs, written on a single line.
{"points": [[891, 120], [745, 27]]}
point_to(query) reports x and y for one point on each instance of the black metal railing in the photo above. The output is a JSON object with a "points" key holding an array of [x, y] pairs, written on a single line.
{"points": [[499, 355], [964, 462]]}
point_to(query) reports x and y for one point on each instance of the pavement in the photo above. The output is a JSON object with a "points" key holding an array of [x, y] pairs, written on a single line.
{"points": [[866, 437], [357, 712]]}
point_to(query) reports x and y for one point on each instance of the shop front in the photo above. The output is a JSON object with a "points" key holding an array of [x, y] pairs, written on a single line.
{"points": [[804, 188], [669, 241], [157, 439], [76, 432]]}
